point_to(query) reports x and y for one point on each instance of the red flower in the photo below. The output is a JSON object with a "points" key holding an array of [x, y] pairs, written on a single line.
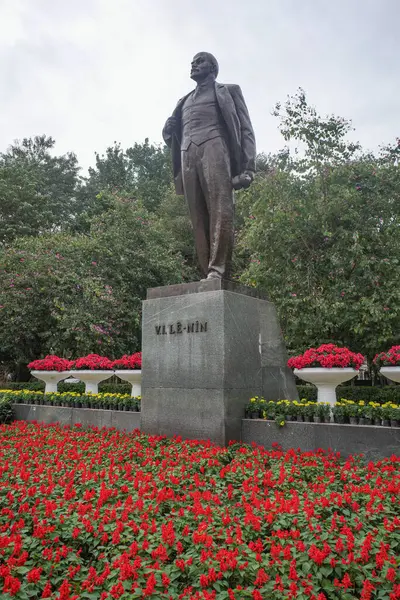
{"points": [[391, 358], [47, 590], [117, 590], [292, 571], [133, 361], [168, 533], [261, 578], [93, 362], [34, 575], [11, 585], [51, 363], [157, 499], [327, 356], [150, 585]]}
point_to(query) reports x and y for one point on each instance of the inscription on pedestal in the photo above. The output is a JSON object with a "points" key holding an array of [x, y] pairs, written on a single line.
{"points": [[179, 327]]}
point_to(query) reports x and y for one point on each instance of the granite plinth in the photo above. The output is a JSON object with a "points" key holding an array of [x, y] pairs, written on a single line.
{"points": [[210, 285], [371, 441], [206, 351]]}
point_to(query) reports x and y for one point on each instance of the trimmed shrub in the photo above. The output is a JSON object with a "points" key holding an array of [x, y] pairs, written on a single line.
{"points": [[381, 395], [6, 411]]}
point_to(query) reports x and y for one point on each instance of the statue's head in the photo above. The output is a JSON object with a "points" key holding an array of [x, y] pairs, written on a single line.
{"points": [[204, 64]]}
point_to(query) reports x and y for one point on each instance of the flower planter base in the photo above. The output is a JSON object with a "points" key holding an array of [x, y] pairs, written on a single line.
{"points": [[392, 373], [51, 379], [326, 380], [134, 377], [91, 379]]}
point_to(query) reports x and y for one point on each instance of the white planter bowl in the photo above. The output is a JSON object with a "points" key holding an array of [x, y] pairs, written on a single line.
{"points": [[392, 373], [133, 376], [91, 378], [51, 379], [326, 380]]}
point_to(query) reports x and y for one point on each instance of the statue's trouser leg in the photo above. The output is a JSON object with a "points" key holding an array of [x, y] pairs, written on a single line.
{"points": [[197, 205], [208, 189]]}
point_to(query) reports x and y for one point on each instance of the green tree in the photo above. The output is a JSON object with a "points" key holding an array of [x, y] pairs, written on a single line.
{"points": [[173, 216], [142, 171], [322, 232], [75, 294], [37, 190]]}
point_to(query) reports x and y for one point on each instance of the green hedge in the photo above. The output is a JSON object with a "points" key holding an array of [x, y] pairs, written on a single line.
{"points": [[388, 393], [307, 392], [6, 411]]}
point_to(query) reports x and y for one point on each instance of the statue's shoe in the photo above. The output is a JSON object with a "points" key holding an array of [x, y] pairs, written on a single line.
{"points": [[212, 275]]}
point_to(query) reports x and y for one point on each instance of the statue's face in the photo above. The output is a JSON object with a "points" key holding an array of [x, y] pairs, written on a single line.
{"points": [[201, 67]]}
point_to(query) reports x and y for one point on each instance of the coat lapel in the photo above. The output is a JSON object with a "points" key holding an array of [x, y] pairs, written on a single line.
{"points": [[176, 147], [230, 116]]}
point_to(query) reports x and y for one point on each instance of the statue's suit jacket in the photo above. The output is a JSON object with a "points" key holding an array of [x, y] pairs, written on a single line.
{"points": [[241, 140]]}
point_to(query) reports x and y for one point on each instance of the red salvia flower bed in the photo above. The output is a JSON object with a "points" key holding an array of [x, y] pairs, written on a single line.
{"points": [[101, 514]]}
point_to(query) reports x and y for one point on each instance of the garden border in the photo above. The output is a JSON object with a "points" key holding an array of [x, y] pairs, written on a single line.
{"points": [[371, 441], [374, 442], [88, 417]]}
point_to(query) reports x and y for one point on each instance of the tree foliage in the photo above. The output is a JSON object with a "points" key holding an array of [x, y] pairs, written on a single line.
{"points": [[323, 236], [75, 294], [142, 171], [318, 229], [37, 189]]}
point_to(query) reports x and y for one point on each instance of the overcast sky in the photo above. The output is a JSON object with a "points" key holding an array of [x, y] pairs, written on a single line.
{"points": [[89, 72]]}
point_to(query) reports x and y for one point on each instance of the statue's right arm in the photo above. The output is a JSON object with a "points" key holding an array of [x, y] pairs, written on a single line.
{"points": [[168, 131], [171, 125]]}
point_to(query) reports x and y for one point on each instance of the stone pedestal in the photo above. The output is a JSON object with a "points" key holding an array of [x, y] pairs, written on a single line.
{"points": [[207, 348]]}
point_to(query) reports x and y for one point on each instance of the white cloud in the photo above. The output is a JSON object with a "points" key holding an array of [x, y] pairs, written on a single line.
{"points": [[89, 72]]}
